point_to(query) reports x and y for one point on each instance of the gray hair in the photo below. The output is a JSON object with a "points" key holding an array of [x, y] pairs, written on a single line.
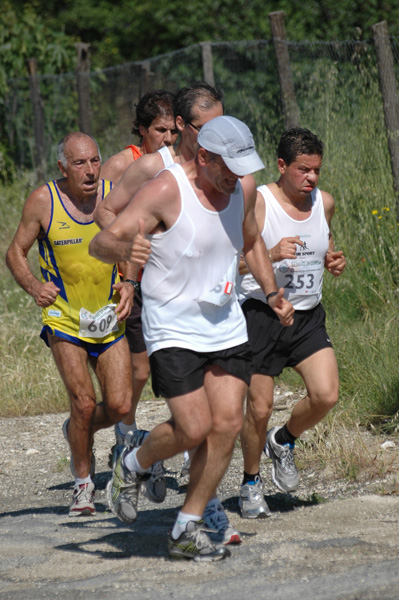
{"points": [[200, 94], [61, 145]]}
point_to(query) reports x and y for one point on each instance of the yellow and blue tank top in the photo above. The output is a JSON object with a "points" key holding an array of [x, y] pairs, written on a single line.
{"points": [[84, 281]]}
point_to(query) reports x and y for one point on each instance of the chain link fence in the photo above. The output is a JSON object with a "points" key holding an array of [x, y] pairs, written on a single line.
{"points": [[335, 85]]}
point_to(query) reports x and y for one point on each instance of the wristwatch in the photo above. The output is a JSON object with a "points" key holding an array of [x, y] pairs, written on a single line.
{"points": [[135, 284], [270, 296]]}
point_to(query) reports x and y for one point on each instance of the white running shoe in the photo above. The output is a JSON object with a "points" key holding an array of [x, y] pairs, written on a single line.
{"points": [[284, 471], [252, 501], [83, 501]]}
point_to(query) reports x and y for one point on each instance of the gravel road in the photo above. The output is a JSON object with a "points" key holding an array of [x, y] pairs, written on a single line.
{"points": [[346, 547]]}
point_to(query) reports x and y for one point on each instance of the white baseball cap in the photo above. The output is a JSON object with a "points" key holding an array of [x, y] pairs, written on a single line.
{"points": [[232, 140]]}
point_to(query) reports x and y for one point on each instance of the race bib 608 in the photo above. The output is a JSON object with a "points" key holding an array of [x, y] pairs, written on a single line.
{"points": [[99, 325]]}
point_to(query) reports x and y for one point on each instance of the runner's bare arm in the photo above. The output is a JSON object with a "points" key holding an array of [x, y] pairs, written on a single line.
{"points": [[257, 258], [35, 218], [335, 261], [115, 166], [134, 177], [158, 201]]}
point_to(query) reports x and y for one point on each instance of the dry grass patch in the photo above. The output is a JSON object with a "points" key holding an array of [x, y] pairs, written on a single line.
{"points": [[352, 453]]}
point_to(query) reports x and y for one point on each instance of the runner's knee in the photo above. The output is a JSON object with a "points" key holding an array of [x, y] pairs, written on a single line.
{"points": [[83, 407], [140, 367], [118, 407], [195, 432], [259, 409], [326, 398], [228, 424]]}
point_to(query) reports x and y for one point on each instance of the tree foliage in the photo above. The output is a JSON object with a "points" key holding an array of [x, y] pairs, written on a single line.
{"points": [[138, 29], [134, 30], [25, 34]]}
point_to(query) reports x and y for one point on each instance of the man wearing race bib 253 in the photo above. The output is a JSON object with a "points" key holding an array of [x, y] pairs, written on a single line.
{"points": [[294, 218]]}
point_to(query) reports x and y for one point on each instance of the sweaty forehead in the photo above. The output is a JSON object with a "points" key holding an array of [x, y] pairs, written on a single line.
{"points": [[201, 114], [163, 122], [80, 147], [308, 160]]}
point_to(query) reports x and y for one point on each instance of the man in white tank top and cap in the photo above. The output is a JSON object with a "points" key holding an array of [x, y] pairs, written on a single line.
{"points": [[294, 218], [194, 105], [200, 217]]}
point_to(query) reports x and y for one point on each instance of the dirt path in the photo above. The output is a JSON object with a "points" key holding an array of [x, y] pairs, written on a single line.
{"points": [[344, 548]]}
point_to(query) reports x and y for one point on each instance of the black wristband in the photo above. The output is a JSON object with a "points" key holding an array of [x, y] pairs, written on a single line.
{"points": [[135, 284], [270, 296]]}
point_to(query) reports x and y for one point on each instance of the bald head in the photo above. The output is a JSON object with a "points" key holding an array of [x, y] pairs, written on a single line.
{"points": [[74, 135]]}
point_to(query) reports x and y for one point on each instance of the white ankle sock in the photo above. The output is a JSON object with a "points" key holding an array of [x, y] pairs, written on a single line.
{"points": [[132, 464], [181, 522], [124, 429], [79, 481]]}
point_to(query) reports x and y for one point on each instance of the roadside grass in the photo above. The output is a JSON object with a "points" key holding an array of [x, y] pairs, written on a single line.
{"points": [[349, 453], [29, 380]]}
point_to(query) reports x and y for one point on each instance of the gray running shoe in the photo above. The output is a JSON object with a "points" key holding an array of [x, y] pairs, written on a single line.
{"points": [[83, 501], [284, 471], [123, 488], [120, 440], [119, 437], [252, 501], [216, 519], [194, 544], [155, 486], [135, 438], [184, 477], [65, 426]]}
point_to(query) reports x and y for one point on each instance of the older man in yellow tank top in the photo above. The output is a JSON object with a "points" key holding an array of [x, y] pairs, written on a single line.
{"points": [[83, 302]]}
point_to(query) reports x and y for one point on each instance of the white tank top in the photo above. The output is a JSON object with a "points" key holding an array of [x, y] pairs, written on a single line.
{"points": [[166, 156], [190, 266], [301, 277]]}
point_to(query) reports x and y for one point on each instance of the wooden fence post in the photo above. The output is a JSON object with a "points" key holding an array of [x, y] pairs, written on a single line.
{"points": [[38, 120], [386, 75], [83, 84], [290, 106], [207, 63], [146, 77]]}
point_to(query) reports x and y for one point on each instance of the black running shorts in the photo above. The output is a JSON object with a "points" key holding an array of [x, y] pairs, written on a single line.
{"points": [[275, 346], [177, 371], [134, 327]]}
